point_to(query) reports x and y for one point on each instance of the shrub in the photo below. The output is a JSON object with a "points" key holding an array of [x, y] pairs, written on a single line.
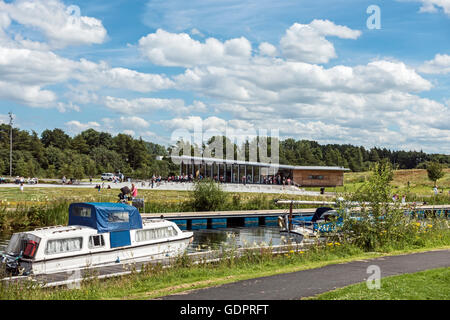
{"points": [[378, 223], [207, 196]]}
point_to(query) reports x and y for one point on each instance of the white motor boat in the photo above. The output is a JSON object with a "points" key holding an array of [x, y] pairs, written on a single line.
{"points": [[97, 234]]}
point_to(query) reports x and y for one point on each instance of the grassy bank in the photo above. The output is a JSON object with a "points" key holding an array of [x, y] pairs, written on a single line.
{"points": [[425, 285], [413, 182], [156, 281]]}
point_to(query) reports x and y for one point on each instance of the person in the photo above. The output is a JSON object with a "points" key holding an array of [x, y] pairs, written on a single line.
{"points": [[21, 187], [133, 191], [123, 193], [435, 189], [403, 199]]}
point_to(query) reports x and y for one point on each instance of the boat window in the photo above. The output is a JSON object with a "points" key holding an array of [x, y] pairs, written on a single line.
{"points": [[15, 244], [154, 234], [63, 245], [96, 241], [81, 212], [118, 217]]}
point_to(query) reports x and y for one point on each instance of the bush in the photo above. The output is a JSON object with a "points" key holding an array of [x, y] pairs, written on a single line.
{"points": [[379, 224], [207, 196]]}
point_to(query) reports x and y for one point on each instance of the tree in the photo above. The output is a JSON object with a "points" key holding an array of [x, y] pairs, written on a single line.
{"points": [[56, 138], [434, 171], [79, 144]]}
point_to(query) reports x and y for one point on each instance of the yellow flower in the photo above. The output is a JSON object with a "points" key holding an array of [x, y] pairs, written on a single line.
{"points": [[330, 244], [302, 252], [337, 244], [429, 225], [292, 251]]}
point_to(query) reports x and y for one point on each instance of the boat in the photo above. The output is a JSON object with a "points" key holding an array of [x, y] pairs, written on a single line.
{"points": [[319, 223], [98, 234]]}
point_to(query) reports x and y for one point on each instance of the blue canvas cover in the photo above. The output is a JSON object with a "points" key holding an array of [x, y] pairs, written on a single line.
{"points": [[105, 217]]}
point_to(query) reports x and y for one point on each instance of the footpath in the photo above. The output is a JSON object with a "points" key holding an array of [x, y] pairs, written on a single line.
{"points": [[310, 282]]}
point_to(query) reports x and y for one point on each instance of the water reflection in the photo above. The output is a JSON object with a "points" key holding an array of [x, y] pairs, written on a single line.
{"points": [[207, 239]]}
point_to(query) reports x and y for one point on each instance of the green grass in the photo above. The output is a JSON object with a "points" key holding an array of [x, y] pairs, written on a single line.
{"points": [[419, 184], [425, 285]]}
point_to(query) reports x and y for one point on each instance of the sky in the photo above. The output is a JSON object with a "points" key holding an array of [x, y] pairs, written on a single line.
{"points": [[367, 73]]}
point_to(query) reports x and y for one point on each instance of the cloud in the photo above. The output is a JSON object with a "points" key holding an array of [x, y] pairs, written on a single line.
{"points": [[102, 75], [75, 126], [134, 121], [307, 42], [172, 49], [267, 49], [431, 6], [439, 65], [148, 105], [193, 123], [62, 25]]}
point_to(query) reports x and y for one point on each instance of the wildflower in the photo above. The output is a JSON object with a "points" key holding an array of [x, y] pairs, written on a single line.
{"points": [[337, 244], [330, 244], [292, 251], [418, 224], [430, 226], [302, 252]]}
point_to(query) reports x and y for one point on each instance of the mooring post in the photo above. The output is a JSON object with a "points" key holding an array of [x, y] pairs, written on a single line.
{"points": [[290, 216]]}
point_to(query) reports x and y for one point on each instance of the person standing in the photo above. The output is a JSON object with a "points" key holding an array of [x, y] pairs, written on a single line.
{"points": [[21, 187], [134, 192]]}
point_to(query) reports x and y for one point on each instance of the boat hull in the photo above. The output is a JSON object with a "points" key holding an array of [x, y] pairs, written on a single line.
{"points": [[129, 254]]}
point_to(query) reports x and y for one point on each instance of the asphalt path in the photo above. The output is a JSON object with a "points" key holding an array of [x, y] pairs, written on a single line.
{"points": [[306, 283]]}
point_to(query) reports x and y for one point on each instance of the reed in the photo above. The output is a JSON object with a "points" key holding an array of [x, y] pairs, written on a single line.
{"points": [[24, 217]]}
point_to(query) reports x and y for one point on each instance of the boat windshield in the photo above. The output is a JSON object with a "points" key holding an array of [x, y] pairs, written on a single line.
{"points": [[18, 242]]}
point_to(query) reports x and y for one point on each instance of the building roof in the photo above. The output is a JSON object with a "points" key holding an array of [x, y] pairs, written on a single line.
{"points": [[256, 164]]}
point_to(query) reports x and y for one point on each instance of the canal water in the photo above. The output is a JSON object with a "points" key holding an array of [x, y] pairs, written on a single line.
{"points": [[207, 239]]}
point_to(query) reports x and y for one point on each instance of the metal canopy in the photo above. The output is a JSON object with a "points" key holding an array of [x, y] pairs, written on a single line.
{"points": [[197, 160]]}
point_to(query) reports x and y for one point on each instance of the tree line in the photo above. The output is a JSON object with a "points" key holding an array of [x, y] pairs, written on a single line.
{"points": [[54, 154]]}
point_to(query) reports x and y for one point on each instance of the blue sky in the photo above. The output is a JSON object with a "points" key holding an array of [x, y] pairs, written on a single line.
{"points": [[310, 69]]}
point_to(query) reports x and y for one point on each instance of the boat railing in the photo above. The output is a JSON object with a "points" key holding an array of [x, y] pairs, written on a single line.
{"points": [[51, 227], [67, 230]]}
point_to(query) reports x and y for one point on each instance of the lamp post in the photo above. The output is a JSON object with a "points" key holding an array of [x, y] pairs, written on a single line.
{"points": [[10, 142]]}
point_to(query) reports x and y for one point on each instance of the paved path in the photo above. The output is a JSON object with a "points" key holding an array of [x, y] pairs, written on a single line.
{"points": [[233, 187], [307, 283]]}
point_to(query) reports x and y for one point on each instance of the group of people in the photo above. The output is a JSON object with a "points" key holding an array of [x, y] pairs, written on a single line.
{"points": [[127, 194], [22, 180], [436, 191], [279, 180], [396, 197]]}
